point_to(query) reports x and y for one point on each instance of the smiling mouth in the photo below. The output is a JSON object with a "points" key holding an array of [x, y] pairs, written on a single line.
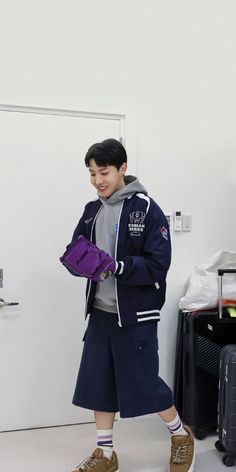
{"points": [[102, 189]]}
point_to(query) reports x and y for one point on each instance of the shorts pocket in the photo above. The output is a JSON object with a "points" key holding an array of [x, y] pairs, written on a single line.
{"points": [[147, 360]]}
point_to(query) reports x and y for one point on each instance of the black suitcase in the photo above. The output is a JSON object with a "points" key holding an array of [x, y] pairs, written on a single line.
{"points": [[227, 405], [200, 338]]}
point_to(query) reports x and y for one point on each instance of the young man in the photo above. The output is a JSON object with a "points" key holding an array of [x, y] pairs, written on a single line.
{"points": [[119, 365]]}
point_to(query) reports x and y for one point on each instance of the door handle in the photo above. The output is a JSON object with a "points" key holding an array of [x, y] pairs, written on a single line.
{"points": [[3, 303]]}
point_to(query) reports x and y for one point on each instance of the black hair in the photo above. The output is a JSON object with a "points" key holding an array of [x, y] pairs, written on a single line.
{"points": [[109, 152]]}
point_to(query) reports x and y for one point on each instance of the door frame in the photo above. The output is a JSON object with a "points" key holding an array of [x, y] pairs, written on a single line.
{"points": [[120, 117]]}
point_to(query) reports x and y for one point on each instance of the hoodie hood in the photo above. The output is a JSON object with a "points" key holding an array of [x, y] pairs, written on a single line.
{"points": [[132, 185]]}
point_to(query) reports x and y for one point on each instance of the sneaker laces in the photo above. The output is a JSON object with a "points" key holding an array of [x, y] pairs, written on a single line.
{"points": [[87, 463], [178, 454]]}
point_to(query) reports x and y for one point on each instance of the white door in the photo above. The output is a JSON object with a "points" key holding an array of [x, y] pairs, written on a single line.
{"points": [[44, 186]]}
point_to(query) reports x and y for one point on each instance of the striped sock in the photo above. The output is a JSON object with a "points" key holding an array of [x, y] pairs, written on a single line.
{"points": [[105, 441], [176, 427]]}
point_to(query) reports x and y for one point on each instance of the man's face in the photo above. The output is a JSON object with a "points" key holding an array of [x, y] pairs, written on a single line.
{"points": [[106, 179]]}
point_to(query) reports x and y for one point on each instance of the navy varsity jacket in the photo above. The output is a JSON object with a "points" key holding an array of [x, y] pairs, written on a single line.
{"points": [[143, 247]]}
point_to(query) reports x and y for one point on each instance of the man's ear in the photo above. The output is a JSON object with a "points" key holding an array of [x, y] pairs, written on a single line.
{"points": [[123, 167]]}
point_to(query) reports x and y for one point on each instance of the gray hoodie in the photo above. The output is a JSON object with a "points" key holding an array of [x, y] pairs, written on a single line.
{"points": [[106, 230]]}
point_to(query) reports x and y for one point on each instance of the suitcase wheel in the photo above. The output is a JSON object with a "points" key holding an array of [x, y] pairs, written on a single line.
{"points": [[228, 461], [219, 446], [200, 432]]}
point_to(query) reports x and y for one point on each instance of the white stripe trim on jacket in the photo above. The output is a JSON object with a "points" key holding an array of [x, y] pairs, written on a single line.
{"points": [[157, 317], [140, 313], [145, 197]]}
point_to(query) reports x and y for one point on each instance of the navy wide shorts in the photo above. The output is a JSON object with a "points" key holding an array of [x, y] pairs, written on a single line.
{"points": [[119, 368]]}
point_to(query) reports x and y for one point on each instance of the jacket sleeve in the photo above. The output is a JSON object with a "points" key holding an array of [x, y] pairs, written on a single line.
{"points": [[152, 265], [77, 232]]}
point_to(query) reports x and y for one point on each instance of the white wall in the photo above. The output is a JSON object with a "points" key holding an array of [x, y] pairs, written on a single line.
{"points": [[171, 67]]}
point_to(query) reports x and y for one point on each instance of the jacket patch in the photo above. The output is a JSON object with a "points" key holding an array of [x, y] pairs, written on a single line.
{"points": [[164, 233], [136, 225]]}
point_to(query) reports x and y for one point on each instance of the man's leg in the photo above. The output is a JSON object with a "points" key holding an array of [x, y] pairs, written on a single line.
{"points": [[104, 420], [104, 423], [96, 368], [182, 442], [103, 459], [173, 421]]}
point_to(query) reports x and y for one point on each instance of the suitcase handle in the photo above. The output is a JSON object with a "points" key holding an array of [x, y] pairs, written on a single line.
{"points": [[226, 271], [221, 272]]}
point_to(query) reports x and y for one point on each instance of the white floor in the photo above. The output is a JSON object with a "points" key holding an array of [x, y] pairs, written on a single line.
{"points": [[142, 445]]}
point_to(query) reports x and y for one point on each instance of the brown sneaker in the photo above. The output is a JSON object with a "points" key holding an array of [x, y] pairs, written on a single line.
{"points": [[182, 452], [97, 462]]}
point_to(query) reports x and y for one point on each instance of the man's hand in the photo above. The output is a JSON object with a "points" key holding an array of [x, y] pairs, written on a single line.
{"points": [[85, 259]]}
